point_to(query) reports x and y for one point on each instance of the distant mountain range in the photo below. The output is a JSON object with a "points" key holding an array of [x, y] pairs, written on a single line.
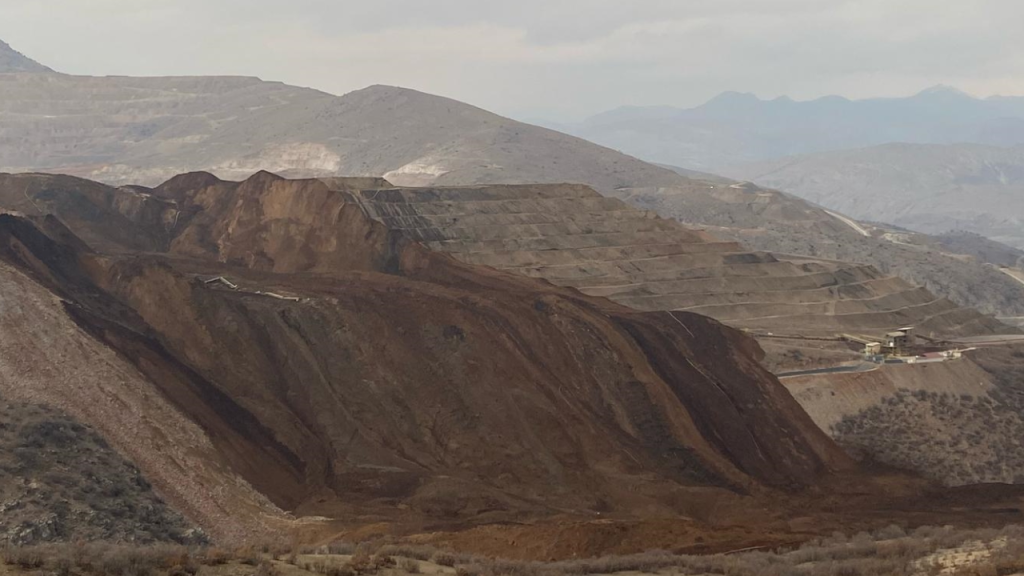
{"points": [[734, 128], [926, 187], [937, 161]]}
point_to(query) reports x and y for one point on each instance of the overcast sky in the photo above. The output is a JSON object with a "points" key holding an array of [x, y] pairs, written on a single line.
{"points": [[543, 58]]}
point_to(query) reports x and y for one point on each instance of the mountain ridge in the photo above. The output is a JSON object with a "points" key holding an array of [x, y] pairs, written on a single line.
{"points": [[736, 127], [13, 61]]}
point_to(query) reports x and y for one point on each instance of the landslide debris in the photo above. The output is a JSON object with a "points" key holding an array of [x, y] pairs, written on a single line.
{"points": [[345, 371]]}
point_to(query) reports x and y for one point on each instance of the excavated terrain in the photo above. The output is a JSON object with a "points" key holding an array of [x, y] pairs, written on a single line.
{"points": [[572, 236], [274, 360], [342, 371]]}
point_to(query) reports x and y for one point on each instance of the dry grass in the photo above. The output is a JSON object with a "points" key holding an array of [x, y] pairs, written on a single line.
{"points": [[888, 552]]}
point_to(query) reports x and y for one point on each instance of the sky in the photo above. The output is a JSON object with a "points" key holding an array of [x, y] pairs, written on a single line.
{"points": [[558, 60]]}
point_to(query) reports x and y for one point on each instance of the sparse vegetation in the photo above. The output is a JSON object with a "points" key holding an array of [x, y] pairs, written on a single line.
{"points": [[61, 481], [956, 439], [891, 551]]}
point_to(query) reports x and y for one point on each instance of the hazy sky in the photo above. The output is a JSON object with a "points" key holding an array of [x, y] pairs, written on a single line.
{"points": [[542, 58]]}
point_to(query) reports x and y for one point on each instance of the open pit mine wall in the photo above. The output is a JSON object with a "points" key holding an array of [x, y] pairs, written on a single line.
{"points": [[394, 374]]}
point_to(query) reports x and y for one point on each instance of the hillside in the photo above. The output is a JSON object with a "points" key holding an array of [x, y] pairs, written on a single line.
{"points": [[956, 421], [63, 481], [572, 236], [928, 188], [769, 220], [981, 248], [343, 371], [146, 130], [124, 130]]}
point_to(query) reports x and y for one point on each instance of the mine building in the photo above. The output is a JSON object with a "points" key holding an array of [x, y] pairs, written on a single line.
{"points": [[899, 342]]}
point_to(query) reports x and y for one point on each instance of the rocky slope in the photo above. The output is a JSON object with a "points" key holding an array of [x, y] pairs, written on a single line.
{"points": [[572, 236], [769, 220], [344, 371], [928, 188], [981, 248]]}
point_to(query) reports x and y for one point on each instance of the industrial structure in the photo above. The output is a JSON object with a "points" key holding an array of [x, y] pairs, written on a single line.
{"points": [[897, 343]]}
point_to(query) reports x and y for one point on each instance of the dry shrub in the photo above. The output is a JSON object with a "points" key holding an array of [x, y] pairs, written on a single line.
{"points": [[266, 568], [382, 561], [215, 557], [248, 555], [888, 552], [443, 558], [408, 551], [28, 558], [361, 563], [126, 561], [341, 547]]}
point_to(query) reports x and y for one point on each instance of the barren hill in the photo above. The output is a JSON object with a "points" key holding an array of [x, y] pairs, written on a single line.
{"points": [[928, 188], [341, 370], [144, 130]]}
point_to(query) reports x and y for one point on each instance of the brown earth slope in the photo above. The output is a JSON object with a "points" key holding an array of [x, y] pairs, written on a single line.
{"points": [[342, 370], [571, 235]]}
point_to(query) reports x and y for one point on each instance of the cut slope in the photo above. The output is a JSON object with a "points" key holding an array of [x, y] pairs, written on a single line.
{"points": [[572, 236], [765, 219], [956, 422], [343, 370]]}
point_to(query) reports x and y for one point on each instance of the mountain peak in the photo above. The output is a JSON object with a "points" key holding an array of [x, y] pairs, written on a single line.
{"points": [[732, 97], [13, 61], [944, 90]]}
